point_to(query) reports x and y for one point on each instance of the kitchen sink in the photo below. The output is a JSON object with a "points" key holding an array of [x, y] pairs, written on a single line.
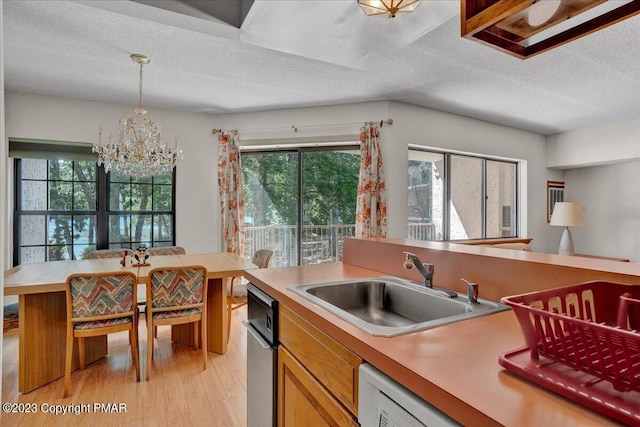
{"points": [[389, 306]]}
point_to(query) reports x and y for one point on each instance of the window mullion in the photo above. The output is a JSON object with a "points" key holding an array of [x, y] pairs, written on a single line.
{"points": [[17, 204], [46, 213], [483, 198], [300, 207], [102, 220], [446, 208], [516, 218]]}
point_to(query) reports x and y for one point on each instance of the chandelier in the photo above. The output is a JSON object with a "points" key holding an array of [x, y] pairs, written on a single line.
{"points": [[138, 149], [388, 7]]}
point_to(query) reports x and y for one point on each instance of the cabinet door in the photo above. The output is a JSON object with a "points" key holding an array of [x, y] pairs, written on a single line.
{"points": [[302, 400], [335, 367]]}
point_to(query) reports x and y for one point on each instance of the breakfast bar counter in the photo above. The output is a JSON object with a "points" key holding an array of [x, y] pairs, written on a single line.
{"points": [[454, 367]]}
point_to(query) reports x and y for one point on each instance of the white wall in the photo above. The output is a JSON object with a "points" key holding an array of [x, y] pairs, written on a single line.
{"points": [[197, 203], [601, 171], [260, 127], [612, 143], [610, 198], [33, 116]]}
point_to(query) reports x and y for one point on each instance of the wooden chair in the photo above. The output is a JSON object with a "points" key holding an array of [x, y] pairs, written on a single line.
{"points": [[166, 250], [175, 296], [106, 253], [237, 293], [119, 253], [159, 251], [100, 304]]}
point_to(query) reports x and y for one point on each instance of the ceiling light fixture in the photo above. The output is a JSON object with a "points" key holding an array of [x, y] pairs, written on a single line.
{"points": [[388, 7], [138, 150], [524, 28]]}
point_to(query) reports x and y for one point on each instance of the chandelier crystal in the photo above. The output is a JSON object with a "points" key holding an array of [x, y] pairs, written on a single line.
{"points": [[138, 150], [388, 7]]}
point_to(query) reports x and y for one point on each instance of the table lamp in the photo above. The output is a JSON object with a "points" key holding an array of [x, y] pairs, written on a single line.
{"points": [[567, 214]]}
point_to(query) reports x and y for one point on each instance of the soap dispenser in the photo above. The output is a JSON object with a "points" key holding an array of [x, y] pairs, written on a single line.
{"points": [[472, 291]]}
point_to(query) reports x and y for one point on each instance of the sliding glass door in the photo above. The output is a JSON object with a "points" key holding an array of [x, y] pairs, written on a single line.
{"points": [[329, 191], [300, 203], [270, 184]]}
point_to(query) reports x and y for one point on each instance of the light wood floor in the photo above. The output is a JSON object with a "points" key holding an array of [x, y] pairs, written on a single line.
{"points": [[179, 392]]}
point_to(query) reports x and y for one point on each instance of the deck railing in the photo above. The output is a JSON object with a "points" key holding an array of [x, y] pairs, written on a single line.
{"points": [[421, 231], [321, 244]]}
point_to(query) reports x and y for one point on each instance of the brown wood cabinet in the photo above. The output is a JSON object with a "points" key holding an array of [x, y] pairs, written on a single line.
{"points": [[314, 369], [302, 399]]}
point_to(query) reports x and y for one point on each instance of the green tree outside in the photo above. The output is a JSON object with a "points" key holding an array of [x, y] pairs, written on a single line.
{"points": [[330, 185]]}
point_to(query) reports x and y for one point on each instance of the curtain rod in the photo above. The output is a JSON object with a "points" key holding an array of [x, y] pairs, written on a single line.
{"points": [[295, 128]]}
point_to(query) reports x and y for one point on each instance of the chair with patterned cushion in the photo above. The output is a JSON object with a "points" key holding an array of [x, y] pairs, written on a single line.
{"points": [[106, 253], [175, 296], [159, 251], [166, 250], [237, 292], [100, 304], [118, 253]]}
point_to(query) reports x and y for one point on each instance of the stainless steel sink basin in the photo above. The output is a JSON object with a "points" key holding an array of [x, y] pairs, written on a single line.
{"points": [[389, 306]]}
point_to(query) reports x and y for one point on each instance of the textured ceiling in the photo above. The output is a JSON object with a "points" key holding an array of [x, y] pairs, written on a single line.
{"points": [[305, 53]]}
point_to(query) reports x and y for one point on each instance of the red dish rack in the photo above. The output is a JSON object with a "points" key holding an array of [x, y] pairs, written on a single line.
{"points": [[583, 342]]}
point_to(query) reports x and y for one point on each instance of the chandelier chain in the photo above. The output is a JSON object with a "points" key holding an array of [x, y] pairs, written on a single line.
{"points": [[140, 88]]}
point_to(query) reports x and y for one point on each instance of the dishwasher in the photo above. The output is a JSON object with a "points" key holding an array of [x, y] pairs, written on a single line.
{"points": [[262, 357], [383, 402]]}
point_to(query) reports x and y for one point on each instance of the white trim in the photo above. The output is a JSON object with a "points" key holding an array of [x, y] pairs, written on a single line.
{"points": [[462, 153], [302, 142]]}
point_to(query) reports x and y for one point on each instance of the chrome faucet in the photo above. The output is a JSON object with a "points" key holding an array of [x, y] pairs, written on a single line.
{"points": [[426, 270]]}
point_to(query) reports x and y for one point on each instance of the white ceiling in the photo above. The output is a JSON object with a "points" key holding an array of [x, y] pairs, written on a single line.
{"points": [[306, 53]]}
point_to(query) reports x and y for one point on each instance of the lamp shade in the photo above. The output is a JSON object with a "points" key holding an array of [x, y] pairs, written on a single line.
{"points": [[567, 214]]}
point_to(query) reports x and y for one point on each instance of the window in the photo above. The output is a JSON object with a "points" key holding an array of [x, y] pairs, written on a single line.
{"points": [[61, 210], [56, 209], [300, 203], [500, 200], [140, 211], [426, 195], [465, 197], [459, 197]]}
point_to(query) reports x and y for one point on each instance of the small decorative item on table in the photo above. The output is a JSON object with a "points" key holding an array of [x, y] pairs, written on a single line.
{"points": [[141, 257]]}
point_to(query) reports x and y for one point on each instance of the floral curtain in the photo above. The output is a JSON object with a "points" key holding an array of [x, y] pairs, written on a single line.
{"points": [[371, 210], [231, 197]]}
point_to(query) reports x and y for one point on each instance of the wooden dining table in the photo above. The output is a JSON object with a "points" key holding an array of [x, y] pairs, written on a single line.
{"points": [[42, 312]]}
